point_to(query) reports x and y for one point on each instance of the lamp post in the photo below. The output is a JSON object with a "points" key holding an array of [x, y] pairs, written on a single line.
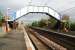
{"points": [[6, 19]]}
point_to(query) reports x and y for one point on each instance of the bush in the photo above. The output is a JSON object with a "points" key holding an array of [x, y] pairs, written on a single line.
{"points": [[41, 23], [35, 24], [1, 19], [72, 26], [66, 24], [52, 22]]}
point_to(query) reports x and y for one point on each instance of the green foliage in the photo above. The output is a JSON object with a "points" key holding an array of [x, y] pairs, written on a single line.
{"points": [[44, 23], [52, 22], [1, 18], [72, 26], [35, 23], [41, 23], [66, 24]]}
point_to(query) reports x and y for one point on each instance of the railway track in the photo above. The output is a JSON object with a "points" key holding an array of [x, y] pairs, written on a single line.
{"points": [[38, 44], [64, 40], [42, 43]]}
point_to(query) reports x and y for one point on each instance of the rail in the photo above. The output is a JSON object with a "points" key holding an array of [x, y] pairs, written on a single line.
{"points": [[64, 40]]}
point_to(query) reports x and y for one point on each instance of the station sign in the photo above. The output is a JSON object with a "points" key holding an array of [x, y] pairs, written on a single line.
{"points": [[11, 14]]}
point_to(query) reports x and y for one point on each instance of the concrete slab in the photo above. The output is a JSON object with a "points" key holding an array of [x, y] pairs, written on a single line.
{"points": [[13, 41]]}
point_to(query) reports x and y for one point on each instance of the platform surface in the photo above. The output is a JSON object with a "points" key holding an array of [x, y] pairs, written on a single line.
{"points": [[14, 40]]}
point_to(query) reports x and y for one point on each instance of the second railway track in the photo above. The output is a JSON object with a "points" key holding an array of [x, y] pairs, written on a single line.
{"points": [[43, 43], [38, 44], [67, 42]]}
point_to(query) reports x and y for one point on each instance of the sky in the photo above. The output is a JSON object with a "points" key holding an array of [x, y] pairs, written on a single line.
{"points": [[58, 5]]}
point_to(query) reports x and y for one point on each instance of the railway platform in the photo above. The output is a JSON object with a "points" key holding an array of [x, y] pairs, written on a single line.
{"points": [[13, 40]]}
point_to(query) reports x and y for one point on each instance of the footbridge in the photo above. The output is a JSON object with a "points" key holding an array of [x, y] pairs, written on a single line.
{"points": [[38, 9]]}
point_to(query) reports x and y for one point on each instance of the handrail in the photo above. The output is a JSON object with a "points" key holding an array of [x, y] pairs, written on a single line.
{"points": [[30, 8], [37, 12]]}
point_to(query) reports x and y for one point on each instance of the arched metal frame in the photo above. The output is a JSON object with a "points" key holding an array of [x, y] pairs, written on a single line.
{"points": [[31, 8]]}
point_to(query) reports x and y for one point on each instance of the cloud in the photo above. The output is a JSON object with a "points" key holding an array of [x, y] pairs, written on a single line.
{"points": [[58, 5]]}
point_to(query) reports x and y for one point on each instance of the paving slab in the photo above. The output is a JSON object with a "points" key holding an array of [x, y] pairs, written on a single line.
{"points": [[14, 40]]}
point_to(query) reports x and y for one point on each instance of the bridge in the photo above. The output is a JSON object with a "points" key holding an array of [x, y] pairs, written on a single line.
{"points": [[36, 38], [31, 8]]}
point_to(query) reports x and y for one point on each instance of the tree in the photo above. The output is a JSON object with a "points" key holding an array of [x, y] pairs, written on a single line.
{"points": [[35, 23], [52, 22], [72, 26], [1, 18], [42, 23], [66, 21]]}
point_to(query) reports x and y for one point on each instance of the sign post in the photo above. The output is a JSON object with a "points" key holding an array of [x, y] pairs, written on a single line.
{"points": [[10, 16]]}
